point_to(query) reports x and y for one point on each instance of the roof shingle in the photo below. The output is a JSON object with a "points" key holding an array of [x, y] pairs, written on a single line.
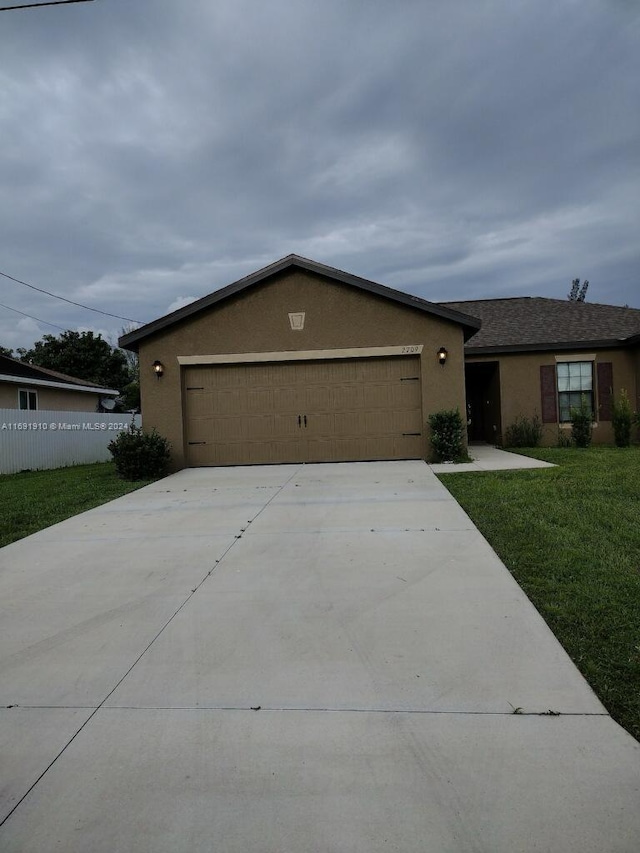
{"points": [[13, 367], [532, 322]]}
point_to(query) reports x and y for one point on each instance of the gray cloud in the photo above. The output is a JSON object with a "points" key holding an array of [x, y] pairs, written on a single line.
{"points": [[156, 151]]}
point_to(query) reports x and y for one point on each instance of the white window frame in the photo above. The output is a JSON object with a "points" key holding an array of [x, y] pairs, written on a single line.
{"points": [[31, 395], [576, 361]]}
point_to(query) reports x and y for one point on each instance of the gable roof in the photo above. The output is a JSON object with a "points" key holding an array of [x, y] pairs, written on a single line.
{"points": [[534, 323], [12, 370], [132, 339]]}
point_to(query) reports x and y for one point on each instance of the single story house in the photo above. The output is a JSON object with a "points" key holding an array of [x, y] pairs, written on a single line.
{"points": [[301, 362], [540, 357], [27, 387]]}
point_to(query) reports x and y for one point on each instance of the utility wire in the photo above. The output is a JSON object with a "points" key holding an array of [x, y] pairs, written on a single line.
{"points": [[70, 301], [31, 317], [50, 3]]}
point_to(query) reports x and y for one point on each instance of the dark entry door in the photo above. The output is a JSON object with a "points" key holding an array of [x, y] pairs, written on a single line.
{"points": [[482, 381]]}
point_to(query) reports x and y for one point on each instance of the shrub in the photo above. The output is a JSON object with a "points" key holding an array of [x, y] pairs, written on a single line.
{"points": [[564, 438], [582, 424], [524, 432], [447, 436], [140, 455], [622, 419]]}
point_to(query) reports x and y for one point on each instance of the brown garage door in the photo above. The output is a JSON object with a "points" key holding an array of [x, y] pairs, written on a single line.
{"points": [[303, 411]]}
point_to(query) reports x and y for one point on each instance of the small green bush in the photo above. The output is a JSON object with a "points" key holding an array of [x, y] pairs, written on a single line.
{"points": [[447, 432], [140, 455], [582, 424], [622, 419], [564, 438], [524, 432]]}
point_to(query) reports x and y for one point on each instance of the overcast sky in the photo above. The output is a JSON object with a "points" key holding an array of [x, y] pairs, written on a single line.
{"points": [[152, 151]]}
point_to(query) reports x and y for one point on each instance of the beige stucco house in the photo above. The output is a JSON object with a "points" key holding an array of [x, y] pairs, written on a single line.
{"points": [[300, 362], [27, 387], [540, 357]]}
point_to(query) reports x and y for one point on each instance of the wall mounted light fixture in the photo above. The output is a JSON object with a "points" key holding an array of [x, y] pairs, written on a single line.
{"points": [[158, 369], [442, 356]]}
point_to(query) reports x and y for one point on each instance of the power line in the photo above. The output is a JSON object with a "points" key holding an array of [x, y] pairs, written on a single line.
{"points": [[31, 317], [50, 3], [70, 301]]}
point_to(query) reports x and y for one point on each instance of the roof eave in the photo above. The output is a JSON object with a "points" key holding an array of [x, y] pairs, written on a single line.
{"points": [[562, 346], [59, 386]]}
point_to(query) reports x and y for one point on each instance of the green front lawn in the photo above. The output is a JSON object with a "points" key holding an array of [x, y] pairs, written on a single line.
{"points": [[33, 500], [571, 538]]}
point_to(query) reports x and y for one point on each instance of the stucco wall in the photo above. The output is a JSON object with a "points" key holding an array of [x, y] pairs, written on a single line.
{"points": [[336, 316], [49, 399], [520, 386]]}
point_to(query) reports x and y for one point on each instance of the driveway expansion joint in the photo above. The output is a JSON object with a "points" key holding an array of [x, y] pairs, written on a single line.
{"points": [[328, 710]]}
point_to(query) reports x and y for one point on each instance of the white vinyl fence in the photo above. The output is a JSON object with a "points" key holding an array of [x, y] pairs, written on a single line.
{"points": [[37, 440]]}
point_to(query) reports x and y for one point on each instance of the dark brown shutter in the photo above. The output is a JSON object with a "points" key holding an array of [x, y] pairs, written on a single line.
{"points": [[605, 390], [548, 391]]}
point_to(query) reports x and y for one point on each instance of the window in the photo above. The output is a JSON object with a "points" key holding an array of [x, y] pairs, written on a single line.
{"points": [[575, 382], [27, 399]]}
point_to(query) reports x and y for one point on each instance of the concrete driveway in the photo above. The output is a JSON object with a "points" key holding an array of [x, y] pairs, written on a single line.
{"points": [[293, 658]]}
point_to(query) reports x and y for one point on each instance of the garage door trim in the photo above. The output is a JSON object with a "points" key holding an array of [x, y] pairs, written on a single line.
{"points": [[299, 355]]}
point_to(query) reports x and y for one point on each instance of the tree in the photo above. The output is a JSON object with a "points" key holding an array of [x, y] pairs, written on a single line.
{"points": [[577, 293], [80, 354], [7, 352], [130, 393]]}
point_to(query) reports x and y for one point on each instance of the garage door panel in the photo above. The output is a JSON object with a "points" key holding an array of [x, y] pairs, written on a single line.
{"points": [[215, 429], [255, 414], [349, 396], [228, 401], [320, 424], [290, 400], [378, 395], [199, 404], [200, 455], [406, 421], [199, 429], [380, 423], [318, 398], [257, 400], [269, 453], [286, 425], [350, 424]]}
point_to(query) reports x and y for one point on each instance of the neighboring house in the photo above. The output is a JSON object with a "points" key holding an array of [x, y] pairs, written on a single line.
{"points": [[25, 386], [300, 362], [535, 356]]}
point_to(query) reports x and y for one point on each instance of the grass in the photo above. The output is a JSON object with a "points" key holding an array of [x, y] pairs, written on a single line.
{"points": [[32, 500], [571, 538]]}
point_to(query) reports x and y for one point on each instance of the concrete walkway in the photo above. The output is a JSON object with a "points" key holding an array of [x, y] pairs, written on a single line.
{"points": [[293, 658], [488, 458]]}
